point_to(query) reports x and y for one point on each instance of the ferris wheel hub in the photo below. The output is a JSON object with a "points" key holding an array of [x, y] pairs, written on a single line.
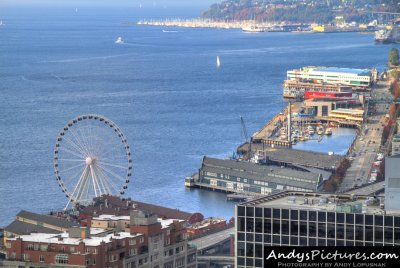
{"points": [[89, 161]]}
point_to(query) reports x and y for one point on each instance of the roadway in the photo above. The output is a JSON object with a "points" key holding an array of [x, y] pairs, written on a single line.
{"points": [[370, 189], [212, 239], [367, 145]]}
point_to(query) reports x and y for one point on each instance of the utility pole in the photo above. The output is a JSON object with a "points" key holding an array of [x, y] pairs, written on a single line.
{"points": [[289, 123]]}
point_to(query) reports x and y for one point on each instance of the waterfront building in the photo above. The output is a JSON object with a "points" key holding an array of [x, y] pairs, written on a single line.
{"points": [[73, 249], [166, 242], [348, 114], [118, 223], [324, 106], [206, 226], [114, 205], [356, 78], [297, 158], [311, 219], [327, 94], [252, 178], [297, 89], [27, 222]]}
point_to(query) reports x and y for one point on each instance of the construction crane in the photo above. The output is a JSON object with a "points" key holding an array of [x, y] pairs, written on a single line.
{"points": [[247, 155]]}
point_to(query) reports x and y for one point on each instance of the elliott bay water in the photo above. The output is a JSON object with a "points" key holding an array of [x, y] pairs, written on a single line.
{"points": [[162, 88]]}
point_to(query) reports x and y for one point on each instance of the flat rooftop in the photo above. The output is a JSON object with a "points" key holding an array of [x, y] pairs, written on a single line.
{"points": [[268, 173], [64, 239], [348, 111], [320, 202], [342, 70], [107, 217], [297, 157]]}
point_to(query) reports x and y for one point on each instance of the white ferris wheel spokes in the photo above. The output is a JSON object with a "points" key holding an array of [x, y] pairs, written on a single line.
{"points": [[91, 158]]}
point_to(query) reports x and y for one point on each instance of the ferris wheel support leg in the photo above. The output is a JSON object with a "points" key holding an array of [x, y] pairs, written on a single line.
{"points": [[101, 179], [76, 187], [107, 182], [95, 182]]}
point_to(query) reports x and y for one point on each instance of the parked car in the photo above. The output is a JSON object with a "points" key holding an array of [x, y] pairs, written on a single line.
{"points": [[377, 163]]}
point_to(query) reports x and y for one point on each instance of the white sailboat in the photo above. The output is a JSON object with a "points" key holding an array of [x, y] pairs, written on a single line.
{"points": [[119, 40], [218, 62]]}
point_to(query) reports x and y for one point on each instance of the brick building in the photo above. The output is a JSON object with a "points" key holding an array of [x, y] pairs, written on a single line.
{"points": [[149, 242]]}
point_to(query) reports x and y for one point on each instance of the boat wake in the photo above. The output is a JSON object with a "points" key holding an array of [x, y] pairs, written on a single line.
{"points": [[169, 31], [86, 58]]}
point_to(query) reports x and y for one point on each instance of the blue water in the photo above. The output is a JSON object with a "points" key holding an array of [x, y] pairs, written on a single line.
{"points": [[162, 89]]}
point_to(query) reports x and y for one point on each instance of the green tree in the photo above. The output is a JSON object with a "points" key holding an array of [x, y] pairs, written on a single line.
{"points": [[394, 57]]}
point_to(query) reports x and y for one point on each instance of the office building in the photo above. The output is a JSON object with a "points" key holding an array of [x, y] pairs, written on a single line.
{"points": [[311, 219]]}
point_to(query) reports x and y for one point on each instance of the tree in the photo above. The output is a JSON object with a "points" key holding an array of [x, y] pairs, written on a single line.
{"points": [[394, 57], [392, 111]]}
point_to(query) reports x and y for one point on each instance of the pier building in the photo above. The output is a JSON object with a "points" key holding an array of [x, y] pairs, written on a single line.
{"points": [[246, 177], [311, 219], [355, 78], [297, 89], [296, 158], [348, 114], [325, 106]]}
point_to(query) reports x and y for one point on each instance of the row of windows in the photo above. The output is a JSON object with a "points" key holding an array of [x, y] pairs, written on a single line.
{"points": [[269, 239], [336, 77], [340, 231], [320, 216], [227, 177], [252, 188]]}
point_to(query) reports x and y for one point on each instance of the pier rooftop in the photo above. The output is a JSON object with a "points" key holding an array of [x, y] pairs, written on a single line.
{"points": [[286, 156], [268, 173]]}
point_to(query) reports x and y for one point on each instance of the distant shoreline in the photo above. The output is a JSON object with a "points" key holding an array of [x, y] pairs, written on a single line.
{"points": [[247, 25]]}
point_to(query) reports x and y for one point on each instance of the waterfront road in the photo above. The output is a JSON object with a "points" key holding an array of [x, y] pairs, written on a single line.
{"points": [[212, 239], [367, 145], [370, 189]]}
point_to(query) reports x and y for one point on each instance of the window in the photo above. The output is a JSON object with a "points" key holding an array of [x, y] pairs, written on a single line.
{"points": [[132, 242], [61, 258], [113, 258], [132, 251], [41, 258], [30, 247], [180, 262], [141, 240], [26, 257]]}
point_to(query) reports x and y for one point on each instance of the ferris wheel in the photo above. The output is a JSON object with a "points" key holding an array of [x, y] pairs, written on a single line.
{"points": [[91, 158]]}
